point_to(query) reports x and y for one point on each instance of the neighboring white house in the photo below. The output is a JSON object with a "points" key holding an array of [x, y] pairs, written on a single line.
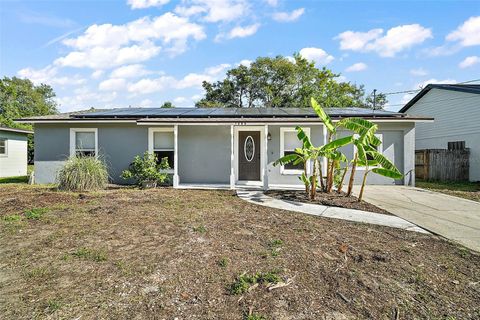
{"points": [[13, 152], [456, 110]]}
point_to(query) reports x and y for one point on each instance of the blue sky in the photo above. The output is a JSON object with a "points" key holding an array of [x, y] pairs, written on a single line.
{"points": [[145, 52]]}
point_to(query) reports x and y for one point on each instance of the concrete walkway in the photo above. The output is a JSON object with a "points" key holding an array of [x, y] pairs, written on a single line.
{"points": [[451, 217], [258, 197]]}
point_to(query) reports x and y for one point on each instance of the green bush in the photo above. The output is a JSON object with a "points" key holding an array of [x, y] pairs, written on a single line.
{"points": [[146, 169], [83, 174]]}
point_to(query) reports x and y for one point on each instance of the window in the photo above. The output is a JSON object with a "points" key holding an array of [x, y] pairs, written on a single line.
{"points": [[83, 142], [379, 148], [3, 147], [162, 144], [456, 145], [288, 143]]}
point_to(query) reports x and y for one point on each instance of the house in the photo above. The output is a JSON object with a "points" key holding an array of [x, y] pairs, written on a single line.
{"points": [[13, 152], [456, 109], [216, 147]]}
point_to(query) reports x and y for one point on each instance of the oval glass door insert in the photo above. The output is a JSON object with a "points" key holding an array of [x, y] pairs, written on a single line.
{"points": [[249, 148]]}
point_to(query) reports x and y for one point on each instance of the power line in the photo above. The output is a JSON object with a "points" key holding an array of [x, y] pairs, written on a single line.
{"points": [[418, 90], [433, 101]]}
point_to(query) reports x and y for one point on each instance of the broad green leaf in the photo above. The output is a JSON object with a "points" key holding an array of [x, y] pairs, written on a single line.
{"points": [[289, 158], [388, 173], [362, 156], [302, 136], [327, 121], [335, 144]]}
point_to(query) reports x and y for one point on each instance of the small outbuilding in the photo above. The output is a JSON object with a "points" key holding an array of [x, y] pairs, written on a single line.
{"points": [[13, 152]]}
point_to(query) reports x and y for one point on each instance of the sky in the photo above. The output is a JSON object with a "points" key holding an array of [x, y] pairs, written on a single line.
{"points": [[141, 53]]}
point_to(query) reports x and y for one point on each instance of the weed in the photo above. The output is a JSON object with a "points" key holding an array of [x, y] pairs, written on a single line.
{"points": [[464, 252], [39, 273], [245, 281], [12, 218], [53, 305], [254, 317], [223, 262], [275, 246], [35, 213], [90, 254], [200, 229]]}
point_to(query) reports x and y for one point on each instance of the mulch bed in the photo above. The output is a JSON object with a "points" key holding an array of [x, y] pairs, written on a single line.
{"points": [[332, 199], [175, 254]]}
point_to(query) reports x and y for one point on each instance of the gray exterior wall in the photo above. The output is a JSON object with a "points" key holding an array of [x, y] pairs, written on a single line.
{"points": [[203, 151], [14, 163], [204, 154], [457, 118]]}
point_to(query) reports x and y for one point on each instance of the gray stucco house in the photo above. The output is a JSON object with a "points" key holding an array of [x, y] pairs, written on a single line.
{"points": [[13, 152], [224, 147], [456, 109]]}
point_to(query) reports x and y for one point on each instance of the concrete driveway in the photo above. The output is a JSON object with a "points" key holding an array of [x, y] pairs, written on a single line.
{"points": [[451, 217]]}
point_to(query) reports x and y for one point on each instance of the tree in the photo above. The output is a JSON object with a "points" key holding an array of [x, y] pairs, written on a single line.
{"points": [[281, 82], [21, 98], [167, 104]]}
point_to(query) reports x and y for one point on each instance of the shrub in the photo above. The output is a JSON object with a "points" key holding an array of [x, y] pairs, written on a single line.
{"points": [[83, 174], [147, 169]]}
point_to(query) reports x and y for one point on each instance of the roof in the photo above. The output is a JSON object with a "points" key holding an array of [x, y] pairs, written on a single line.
{"points": [[217, 114], [4, 128], [468, 88]]}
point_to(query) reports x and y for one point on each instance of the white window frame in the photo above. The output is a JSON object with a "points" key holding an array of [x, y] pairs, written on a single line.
{"points": [[284, 171], [379, 149], [151, 149], [5, 154], [73, 133]]}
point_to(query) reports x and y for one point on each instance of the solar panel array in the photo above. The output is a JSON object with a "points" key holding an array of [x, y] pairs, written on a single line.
{"points": [[231, 112]]}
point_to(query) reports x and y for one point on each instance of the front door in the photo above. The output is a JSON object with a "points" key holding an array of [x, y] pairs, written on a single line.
{"points": [[249, 155]]}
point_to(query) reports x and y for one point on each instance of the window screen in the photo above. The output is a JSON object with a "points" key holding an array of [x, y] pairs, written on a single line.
{"points": [[456, 145], [85, 143], [163, 140]]}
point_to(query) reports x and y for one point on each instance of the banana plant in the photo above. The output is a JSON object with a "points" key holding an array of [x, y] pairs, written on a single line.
{"points": [[384, 167]]}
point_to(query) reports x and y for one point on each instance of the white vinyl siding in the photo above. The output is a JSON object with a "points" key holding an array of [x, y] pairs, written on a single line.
{"points": [[13, 161], [456, 118]]}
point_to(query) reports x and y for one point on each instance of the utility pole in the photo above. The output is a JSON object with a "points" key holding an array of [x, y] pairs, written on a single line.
{"points": [[374, 99]]}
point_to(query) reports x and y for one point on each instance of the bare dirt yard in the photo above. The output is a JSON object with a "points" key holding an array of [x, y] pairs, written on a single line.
{"points": [[190, 254]]}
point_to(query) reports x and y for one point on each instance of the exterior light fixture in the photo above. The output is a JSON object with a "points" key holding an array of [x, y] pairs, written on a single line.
{"points": [[269, 136]]}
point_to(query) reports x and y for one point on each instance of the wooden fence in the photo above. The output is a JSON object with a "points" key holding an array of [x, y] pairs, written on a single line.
{"points": [[442, 164]]}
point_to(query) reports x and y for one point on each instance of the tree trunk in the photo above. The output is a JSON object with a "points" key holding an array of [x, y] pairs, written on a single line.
{"points": [[340, 186], [307, 189], [352, 175], [320, 177], [331, 176], [360, 196]]}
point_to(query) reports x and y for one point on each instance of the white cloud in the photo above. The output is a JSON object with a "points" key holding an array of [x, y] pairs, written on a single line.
{"points": [[142, 4], [214, 10], [239, 32], [107, 45], [191, 80], [49, 75], [245, 62], [319, 56], [84, 98], [180, 100], [145, 86], [468, 34], [97, 74], [420, 72], [129, 71], [423, 84], [146, 103], [113, 84], [387, 44], [469, 61], [288, 16], [360, 66], [272, 3]]}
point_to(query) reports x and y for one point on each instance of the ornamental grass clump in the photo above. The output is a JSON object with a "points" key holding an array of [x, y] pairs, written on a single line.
{"points": [[83, 174]]}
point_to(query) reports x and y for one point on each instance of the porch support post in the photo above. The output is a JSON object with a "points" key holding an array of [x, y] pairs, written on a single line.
{"points": [[175, 157], [265, 158], [232, 158]]}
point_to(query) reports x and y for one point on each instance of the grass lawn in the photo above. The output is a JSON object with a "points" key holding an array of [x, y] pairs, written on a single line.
{"points": [[467, 190], [190, 254]]}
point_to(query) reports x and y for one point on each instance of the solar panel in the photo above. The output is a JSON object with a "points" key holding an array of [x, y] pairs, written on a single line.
{"points": [[230, 112]]}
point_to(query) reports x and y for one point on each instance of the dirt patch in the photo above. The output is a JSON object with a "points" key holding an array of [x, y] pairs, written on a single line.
{"points": [[332, 199], [165, 254]]}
